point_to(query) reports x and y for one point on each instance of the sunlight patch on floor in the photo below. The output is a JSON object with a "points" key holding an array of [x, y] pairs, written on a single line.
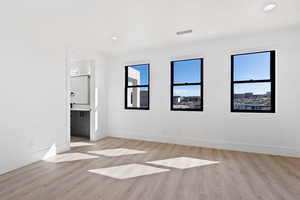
{"points": [[51, 152], [128, 171], [80, 144], [117, 152], [182, 162]]}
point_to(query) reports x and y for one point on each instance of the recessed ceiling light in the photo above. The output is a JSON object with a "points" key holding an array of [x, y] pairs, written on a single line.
{"points": [[114, 38], [270, 7]]}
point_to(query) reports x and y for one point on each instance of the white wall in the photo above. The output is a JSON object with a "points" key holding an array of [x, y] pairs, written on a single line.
{"points": [[33, 91], [32, 103], [32, 84], [217, 127]]}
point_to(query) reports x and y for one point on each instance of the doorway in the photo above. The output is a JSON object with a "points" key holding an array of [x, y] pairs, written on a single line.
{"points": [[80, 77]]}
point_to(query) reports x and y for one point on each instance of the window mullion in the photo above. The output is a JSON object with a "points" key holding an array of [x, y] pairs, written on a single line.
{"points": [[186, 84], [136, 86], [254, 81]]}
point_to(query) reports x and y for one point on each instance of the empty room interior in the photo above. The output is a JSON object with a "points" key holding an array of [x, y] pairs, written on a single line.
{"points": [[150, 100]]}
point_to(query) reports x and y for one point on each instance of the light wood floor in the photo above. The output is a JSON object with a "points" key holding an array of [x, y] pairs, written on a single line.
{"points": [[245, 176]]}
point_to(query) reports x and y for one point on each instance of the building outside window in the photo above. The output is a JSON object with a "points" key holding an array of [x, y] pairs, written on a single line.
{"points": [[187, 85], [253, 82], [137, 87]]}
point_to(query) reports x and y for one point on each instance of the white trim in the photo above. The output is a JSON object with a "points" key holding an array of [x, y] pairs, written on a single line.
{"points": [[186, 57], [68, 97], [252, 50], [138, 62], [98, 137], [92, 99], [226, 145]]}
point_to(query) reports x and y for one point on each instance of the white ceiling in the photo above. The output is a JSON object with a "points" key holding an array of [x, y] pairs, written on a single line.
{"points": [[141, 23]]}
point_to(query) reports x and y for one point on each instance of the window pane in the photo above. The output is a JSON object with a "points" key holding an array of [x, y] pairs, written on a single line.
{"points": [[137, 97], [187, 97], [252, 66], [252, 96], [138, 75], [187, 71]]}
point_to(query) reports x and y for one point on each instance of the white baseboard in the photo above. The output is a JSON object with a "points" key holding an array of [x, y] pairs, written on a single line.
{"points": [[98, 137], [253, 148], [35, 157]]}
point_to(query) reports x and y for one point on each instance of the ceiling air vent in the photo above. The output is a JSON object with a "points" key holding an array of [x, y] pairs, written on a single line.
{"points": [[184, 32]]}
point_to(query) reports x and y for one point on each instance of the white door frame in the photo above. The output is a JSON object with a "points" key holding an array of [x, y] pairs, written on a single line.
{"points": [[68, 98]]}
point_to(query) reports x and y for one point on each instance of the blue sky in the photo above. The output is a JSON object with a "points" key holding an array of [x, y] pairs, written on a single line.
{"points": [[187, 71], [252, 66], [255, 88], [247, 67], [193, 90], [143, 69]]}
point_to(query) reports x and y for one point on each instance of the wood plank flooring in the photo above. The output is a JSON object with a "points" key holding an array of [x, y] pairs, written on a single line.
{"points": [[238, 176]]}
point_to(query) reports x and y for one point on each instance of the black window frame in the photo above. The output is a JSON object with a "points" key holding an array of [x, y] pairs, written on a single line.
{"points": [[136, 86], [201, 83], [271, 81]]}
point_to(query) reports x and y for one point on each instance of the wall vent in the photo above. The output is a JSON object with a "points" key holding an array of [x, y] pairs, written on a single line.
{"points": [[184, 32]]}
